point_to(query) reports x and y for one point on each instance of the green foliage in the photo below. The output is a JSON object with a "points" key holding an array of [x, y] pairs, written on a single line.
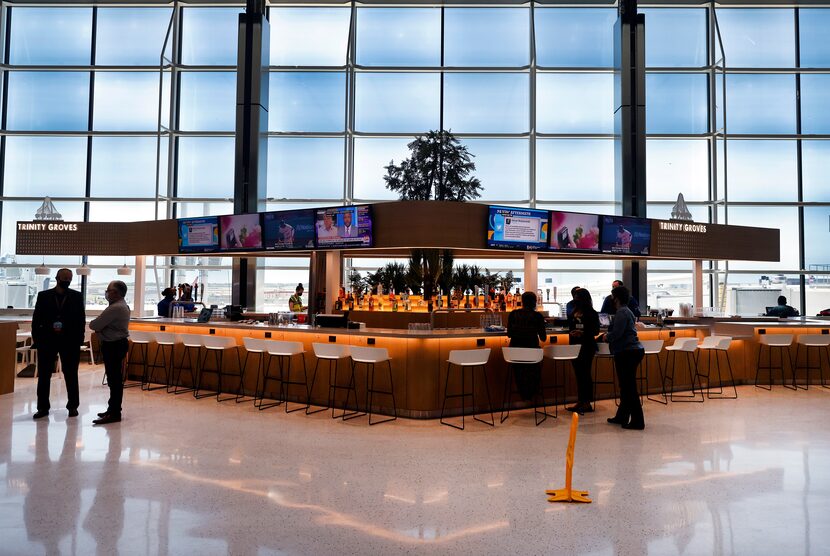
{"points": [[507, 281], [439, 168], [356, 282], [489, 280], [445, 276]]}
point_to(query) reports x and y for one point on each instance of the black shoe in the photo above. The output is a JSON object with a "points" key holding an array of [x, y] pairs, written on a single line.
{"points": [[634, 426], [73, 412], [103, 414], [107, 419], [40, 414], [617, 421], [581, 408]]}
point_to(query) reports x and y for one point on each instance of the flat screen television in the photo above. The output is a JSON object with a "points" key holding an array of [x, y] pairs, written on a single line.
{"points": [[626, 235], [198, 235], [517, 228], [574, 231], [240, 232], [289, 229], [343, 227]]}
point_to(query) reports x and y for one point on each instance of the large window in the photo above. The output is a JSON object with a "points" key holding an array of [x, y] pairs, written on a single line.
{"points": [[529, 89]]}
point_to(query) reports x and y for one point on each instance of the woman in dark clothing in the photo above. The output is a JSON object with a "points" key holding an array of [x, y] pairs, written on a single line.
{"points": [[525, 328], [627, 350], [584, 327]]}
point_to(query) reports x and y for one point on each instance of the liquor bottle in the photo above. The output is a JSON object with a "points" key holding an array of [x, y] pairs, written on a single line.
{"points": [[360, 301], [371, 302], [517, 299], [509, 300], [439, 300]]}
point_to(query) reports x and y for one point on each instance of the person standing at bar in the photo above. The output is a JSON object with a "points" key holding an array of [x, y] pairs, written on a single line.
{"points": [[608, 303], [525, 328], [112, 327], [627, 350], [583, 324], [58, 325]]}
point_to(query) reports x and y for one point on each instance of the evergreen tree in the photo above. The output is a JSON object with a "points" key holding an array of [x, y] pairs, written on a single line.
{"points": [[438, 168]]}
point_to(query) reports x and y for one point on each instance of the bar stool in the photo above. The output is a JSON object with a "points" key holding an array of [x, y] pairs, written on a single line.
{"points": [[521, 356], [604, 354], [653, 348], [687, 346], [780, 342], [464, 359], [559, 354], [140, 344], [166, 344], [817, 342], [191, 343], [716, 345], [332, 354], [370, 357], [218, 345], [255, 347], [284, 352]]}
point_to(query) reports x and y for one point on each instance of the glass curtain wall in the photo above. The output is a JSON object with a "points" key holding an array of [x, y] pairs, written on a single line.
{"points": [[528, 88]]}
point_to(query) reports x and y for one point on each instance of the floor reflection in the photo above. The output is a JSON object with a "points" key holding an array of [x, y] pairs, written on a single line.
{"points": [[181, 476]]}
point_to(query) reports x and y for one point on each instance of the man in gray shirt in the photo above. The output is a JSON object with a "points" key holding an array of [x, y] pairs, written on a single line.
{"points": [[112, 327]]}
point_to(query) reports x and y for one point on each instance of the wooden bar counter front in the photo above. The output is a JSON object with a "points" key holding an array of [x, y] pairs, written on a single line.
{"points": [[419, 363]]}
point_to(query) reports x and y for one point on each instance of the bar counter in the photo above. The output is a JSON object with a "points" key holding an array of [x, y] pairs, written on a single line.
{"points": [[419, 361]]}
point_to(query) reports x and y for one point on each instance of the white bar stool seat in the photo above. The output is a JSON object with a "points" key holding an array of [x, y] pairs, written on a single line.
{"points": [[716, 345], [191, 344], [652, 348], [284, 352], [139, 345], [216, 346], [521, 356], [686, 346], [820, 342], [467, 359], [604, 354], [780, 343], [332, 354], [370, 357]]}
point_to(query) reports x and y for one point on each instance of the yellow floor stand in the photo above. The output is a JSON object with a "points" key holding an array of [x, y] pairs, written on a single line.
{"points": [[567, 494]]}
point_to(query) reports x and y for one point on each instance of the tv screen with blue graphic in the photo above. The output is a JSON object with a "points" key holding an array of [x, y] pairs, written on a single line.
{"points": [[198, 235], [289, 229], [626, 235], [517, 228], [344, 227]]}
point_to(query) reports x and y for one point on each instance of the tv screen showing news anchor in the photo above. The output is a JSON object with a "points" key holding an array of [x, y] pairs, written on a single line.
{"points": [[574, 231], [239, 232], [290, 229], [626, 235], [344, 227]]}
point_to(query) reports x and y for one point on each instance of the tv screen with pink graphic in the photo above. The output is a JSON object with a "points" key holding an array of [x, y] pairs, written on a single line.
{"points": [[240, 232], [574, 231]]}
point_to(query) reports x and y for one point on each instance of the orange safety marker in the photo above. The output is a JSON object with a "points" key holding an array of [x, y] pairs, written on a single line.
{"points": [[567, 494]]}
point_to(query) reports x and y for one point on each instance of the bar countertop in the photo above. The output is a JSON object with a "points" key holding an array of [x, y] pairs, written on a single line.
{"points": [[380, 332]]}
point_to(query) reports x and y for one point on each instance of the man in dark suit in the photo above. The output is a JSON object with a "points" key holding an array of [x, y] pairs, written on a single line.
{"points": [[608, 303], [58, 326]]}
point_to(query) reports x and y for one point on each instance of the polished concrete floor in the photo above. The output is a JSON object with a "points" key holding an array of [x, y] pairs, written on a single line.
{"points": [[185, 476]]}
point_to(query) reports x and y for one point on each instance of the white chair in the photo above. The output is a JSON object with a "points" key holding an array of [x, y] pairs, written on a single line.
{"points": [[686, 346], [332, 354], [464, 359], [165, 348], [715, 345], [652, 348], [780, 343], [520, 356], [820, 342], [253, 347], [284, 352], [371, 357], [191, 345], [560, 354], [139, 344], [87, 345], [604, 354], [217, 346], [24, 348]]}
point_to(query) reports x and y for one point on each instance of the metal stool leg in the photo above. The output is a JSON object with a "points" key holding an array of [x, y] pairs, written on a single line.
{"points": [[259, 401], [353, 388], [390, 392], [492, 422]]}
